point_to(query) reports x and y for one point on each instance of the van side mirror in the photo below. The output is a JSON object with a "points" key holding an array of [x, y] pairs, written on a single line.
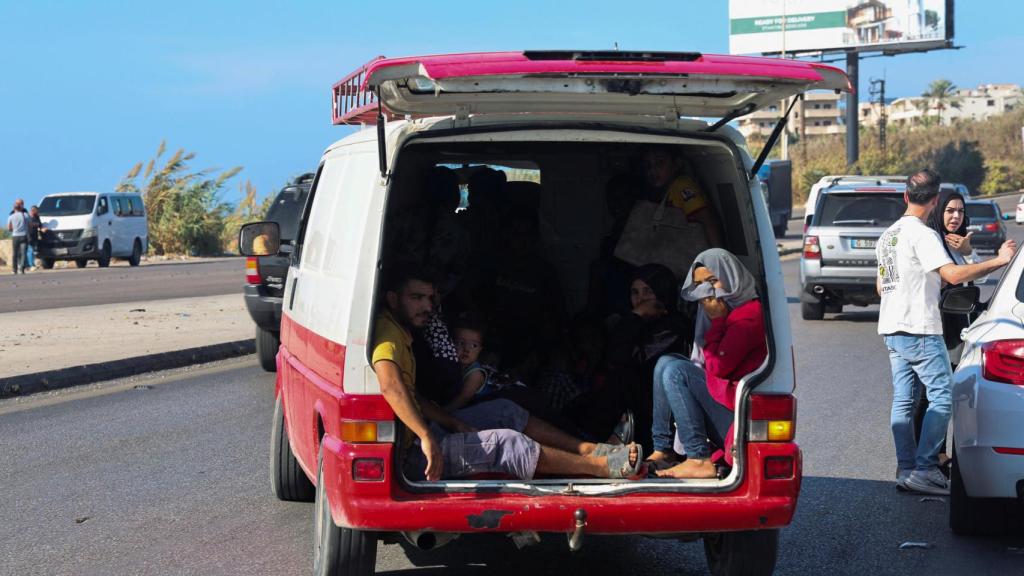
{"points": [[960, 300], [101, 209], [259, 239]]}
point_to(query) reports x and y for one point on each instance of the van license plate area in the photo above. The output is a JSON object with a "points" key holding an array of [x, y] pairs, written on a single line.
{"points": [[60, 251], [863, 242]]}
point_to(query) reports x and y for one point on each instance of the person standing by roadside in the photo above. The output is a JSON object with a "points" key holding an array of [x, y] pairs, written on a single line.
{"points": [[35, 231], [912, 266], [17, 225]]}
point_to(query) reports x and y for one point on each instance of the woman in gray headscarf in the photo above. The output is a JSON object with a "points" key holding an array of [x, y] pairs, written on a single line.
{"points": [[700, 392]]}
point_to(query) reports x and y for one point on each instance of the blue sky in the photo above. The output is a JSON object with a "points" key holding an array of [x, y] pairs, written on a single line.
{"points": [[91, 88]]}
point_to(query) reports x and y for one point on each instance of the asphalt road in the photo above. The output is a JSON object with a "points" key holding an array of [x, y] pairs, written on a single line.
{"points": [[172, 479], [62, 288]]}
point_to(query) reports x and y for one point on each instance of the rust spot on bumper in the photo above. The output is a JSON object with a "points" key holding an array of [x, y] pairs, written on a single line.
{"points": [[488, 519]]}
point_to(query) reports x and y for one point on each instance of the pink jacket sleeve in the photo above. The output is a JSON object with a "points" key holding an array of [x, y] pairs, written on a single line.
{"points": [[730, 340]]}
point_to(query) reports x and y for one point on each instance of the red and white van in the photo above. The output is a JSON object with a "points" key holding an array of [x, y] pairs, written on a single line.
{"points": [[574, 117]]}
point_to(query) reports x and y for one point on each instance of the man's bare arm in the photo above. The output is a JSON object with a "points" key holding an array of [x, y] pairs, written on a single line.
{"points": [[399, 398], [958, 274]]}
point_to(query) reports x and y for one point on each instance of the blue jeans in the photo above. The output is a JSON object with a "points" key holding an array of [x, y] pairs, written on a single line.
{"points": [[919, 360], [30, 257], [681, 392]]}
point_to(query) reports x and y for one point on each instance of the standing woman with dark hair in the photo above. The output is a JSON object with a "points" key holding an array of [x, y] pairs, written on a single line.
{"points": [[950, 220]]}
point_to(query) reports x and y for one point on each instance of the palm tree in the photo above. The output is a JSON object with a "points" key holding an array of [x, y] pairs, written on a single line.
{"points": [[941, 91]]}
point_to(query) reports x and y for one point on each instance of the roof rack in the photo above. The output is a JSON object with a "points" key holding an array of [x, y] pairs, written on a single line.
{"points": [[879, 180], [351, 104]]}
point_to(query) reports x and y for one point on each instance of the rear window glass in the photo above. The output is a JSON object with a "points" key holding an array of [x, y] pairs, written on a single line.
{"points": [[287, 210], [868, 210], [981, 212], [67, 205]]}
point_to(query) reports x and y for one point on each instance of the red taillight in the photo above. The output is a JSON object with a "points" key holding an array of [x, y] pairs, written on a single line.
{"points": [[991, 227], [772, 418], [1013, 451], [368, 470], [1003, 361], [252, 270], [812, 251], [778, 467]]}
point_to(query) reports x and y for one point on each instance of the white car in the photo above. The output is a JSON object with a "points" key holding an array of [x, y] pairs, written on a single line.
{"points": [[836, 180], [1020, 210], [988, 413]]}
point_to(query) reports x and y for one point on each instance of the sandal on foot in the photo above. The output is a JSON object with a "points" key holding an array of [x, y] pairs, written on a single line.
{"points": [[604, 449], [619, 466]]}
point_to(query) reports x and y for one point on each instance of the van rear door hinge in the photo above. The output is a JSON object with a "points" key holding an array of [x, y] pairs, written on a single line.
{"points": [[462, 112]]}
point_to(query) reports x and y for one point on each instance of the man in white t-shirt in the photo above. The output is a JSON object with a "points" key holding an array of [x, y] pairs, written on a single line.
{"points": [[912, 267]]}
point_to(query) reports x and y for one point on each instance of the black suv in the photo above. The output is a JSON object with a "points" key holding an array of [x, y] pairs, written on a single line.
{"points": [[266, 275]]}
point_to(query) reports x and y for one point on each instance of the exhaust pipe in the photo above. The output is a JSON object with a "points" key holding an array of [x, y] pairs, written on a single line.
{"points": [[819, 290], [429, 540]]}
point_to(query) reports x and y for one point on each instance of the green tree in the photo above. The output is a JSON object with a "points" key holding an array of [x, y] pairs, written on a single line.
{"points": [[184, 207], [942, 93]]}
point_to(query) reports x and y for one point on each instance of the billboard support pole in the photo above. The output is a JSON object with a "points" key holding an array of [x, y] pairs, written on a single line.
{"points": [[852, 112]]}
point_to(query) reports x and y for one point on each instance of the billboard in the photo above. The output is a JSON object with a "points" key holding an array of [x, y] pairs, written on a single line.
{"points": [[773, 26]]}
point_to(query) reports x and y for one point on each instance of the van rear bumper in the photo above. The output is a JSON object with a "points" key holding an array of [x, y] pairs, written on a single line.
{"points": [[756, 503]]}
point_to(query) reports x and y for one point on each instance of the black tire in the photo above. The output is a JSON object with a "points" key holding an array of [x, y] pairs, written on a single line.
{"points": [[287, 479], [973, 516], [136, 258], [104, 259], [337, 550], [751, 553], [47, 263], [812, 310], [81, 262], [267, 343]]}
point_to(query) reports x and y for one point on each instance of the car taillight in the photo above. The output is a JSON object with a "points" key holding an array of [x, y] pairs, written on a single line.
{"points": [[812, 251], [368, 469], [252, 270], [361, 431], [991, 227], [1003, 361], [778, 467], [772, 418]]}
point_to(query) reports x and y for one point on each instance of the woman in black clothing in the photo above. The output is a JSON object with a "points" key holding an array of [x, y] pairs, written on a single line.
{"points": [[653, 326]]}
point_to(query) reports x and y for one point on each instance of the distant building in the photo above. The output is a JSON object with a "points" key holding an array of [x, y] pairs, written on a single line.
{"points": [[816, 115], [979, 103]]}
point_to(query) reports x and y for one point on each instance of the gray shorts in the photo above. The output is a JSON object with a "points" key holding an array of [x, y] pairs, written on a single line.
{"points": [[498, 447]]}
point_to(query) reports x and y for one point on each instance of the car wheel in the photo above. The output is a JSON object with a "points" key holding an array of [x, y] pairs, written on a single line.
{"points": [[104, 259], [287, 478], [47, 263], [267, 343], [750, 553], [972, 516], [338, 550], [136, 258], [814, 310], [81, 262]]}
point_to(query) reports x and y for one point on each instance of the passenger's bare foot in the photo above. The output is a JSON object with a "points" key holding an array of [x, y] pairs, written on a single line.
{"points": [[661, 460], [689, 469]]}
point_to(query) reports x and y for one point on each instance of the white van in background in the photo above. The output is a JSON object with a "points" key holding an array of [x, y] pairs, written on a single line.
{"points": [[83, 226]]}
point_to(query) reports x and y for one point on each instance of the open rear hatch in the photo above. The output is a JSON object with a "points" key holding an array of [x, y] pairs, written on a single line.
{"points": [[617, 83]]}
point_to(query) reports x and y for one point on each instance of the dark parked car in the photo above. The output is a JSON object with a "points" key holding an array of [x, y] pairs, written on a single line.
{"points": [[265, 275], [987, 225]]}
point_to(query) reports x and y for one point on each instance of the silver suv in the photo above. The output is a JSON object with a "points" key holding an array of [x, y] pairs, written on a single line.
{"points": [[838, 264]]}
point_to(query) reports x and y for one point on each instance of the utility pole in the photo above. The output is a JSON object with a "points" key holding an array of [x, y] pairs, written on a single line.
{"points": [[852, 123], [878, 90]]}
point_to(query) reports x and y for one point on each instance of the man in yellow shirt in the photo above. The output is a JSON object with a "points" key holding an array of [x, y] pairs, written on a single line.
{"points": [[666, 173], [495, 436]]}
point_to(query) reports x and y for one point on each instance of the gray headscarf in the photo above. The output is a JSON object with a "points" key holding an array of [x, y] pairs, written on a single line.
{"points": [[740, 288]]}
